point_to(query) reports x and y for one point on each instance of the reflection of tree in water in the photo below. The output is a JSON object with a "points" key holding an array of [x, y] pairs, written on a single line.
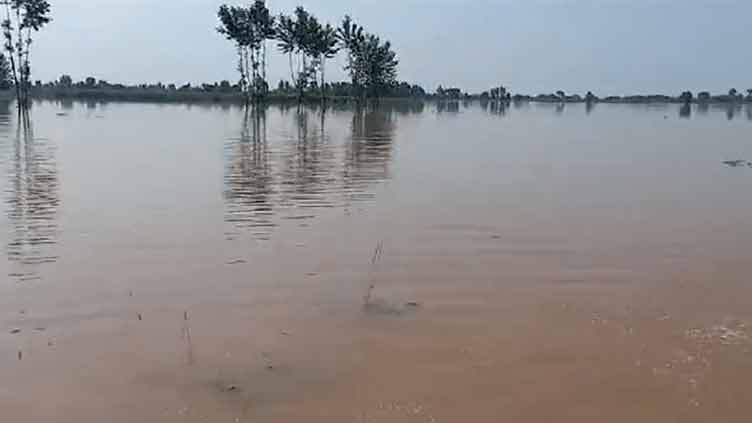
{"points": [[32, 200], [309, 163], [685, 111], [294, 177], [449, 106], [498, 108], [249, 181], [732, 109], [368, 153]]}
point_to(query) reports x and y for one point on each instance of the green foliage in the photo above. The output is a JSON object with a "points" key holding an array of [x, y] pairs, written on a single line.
{"points": [[298, 37], [372, 64], [249, 28]]}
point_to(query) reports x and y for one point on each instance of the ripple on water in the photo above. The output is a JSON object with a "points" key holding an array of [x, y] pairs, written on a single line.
{"points": [[31, 200]]}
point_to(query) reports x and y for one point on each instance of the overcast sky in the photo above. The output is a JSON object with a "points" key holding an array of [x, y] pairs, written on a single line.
{"points": [[531, 46]]}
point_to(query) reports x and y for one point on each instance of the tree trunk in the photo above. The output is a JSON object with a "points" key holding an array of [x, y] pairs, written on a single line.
{"points": [[22, 68], [300, 78], [323, 79], [263, 61], [292, 71]]}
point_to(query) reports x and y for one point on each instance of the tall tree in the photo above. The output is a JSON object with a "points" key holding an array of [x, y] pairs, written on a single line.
{"points": [[22, 18], [263, 28], [351, 36], [372, 64], [297, 36], [249, 28], [327, 46]]}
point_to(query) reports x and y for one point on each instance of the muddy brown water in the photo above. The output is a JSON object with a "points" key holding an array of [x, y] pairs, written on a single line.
{"points": [[434, 263]]}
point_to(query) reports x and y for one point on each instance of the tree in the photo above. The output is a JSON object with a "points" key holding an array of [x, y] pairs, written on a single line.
{"points": [[249, 28], [263, 24], [376, 65], [65, 81], [590, 97], [686, 97], [372, 64], [327, 46], [298, 36], [23, 17], [749, 94], [562, 96], [732, 92], [90, 82], [5, 74]]}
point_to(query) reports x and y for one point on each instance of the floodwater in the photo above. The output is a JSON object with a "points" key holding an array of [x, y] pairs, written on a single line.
{"points": [[410, 263]]}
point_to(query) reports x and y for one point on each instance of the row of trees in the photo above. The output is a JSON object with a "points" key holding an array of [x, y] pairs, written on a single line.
{"points": [[371, 62], [308, 43]]}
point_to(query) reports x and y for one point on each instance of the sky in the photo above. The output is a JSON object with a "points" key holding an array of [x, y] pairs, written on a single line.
{"points": [[611, 47]]}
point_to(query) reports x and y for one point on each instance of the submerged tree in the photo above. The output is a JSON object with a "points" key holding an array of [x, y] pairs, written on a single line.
{"points": [[327, 46], [249, 28], [298, 36], [351, 35], [263, 23], [372, 64], [22, 18]]}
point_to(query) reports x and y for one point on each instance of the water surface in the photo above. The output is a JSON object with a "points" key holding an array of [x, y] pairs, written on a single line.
{"points": [[194, 262]]}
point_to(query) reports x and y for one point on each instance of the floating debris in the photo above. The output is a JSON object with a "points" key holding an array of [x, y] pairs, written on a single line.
{"points": [[413, 304], [726, 334], [230, 388], [238, 261], [140, 317], [737, 163], [15, 331]]}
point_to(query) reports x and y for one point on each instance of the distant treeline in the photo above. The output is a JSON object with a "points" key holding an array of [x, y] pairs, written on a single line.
{"points": [[502, 94], [93, 88]]}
